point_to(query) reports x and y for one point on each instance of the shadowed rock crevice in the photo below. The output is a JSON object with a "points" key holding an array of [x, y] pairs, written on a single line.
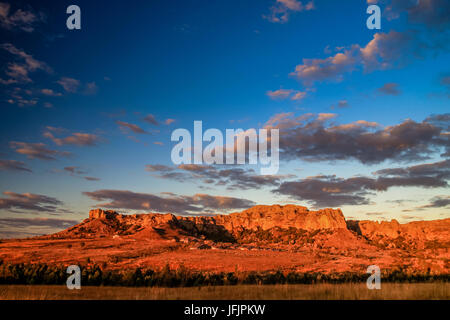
{"points": [[353, 225]]}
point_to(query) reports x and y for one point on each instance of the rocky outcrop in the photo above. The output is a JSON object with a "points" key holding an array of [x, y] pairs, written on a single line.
{"points": [[390, 229], [267, 217], [438, 230], [223, 227], [102, 214], [274, 224]]}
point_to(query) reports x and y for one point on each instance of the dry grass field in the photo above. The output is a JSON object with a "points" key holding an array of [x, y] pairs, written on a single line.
{"points": [[389, 291]]}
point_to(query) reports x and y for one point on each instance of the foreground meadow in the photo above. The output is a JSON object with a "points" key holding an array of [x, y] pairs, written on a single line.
{"points": [[348, 291]]}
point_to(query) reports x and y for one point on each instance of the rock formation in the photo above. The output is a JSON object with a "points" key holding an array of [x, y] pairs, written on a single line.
{"points": [[269, 223]]}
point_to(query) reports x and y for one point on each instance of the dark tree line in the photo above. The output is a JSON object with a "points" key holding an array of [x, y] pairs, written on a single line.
{"points": [[93, 275]]}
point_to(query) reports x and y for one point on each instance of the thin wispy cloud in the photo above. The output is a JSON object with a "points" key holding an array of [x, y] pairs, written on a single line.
{"points": [[37, 151], [78, 139], [438, 202], [283, 94], [125, 126], [13, 165], [91, 178], [73, 170], [90, 88], [31, 227], [390, 88], [282, 10], [231, 178], [150, 118], [340, 105], [31, 203], [19, 70], [78, 172], [123, 199], [70, 85], [51, 93]]}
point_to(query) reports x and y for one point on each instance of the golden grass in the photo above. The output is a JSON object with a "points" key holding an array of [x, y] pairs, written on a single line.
{"points": [[389, 291]]}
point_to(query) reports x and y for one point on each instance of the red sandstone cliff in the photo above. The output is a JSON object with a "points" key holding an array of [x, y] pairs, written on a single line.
{"points": [[436, 230], [253, 222]]}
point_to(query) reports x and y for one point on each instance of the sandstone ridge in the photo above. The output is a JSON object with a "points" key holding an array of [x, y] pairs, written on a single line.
{"points": [[258, 217], [256, 222]]}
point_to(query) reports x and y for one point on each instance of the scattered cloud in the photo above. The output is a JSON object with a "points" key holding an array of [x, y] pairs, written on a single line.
{"points": [[21, 101], [121, 199], [124, 126], [321, 117], [282, 94], [315, 138], [232, 178], [282, 9], [69, 84], [340, 105], [444, 81], [409, 217], [324, 191], [51, 93], [74, 170], [438, 202], [21, 97], [150, 118], [79, 172], [433, 14], [77, 138], [19, 70], [36, 150], [13, 165], [57, 130], [29, 202], [390, 88], [92, 178], [91, 88], [374, 213], [169, 121], [24, 20], [384, 51], [30, 227]]}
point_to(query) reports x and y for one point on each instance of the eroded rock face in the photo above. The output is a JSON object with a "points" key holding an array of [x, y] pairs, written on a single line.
{"points": [[419, 230], [102, 214], [267, 217], [227, 227], [389, 229], [223, 226]]}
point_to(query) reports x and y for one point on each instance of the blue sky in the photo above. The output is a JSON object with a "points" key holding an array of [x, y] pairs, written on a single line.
{"points": [[230, 64]]}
